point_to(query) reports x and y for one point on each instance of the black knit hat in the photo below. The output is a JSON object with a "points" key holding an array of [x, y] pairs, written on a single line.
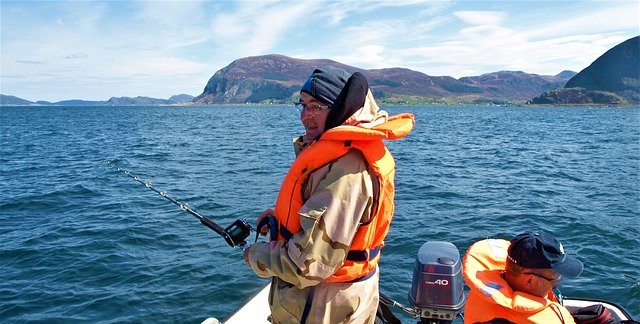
{"points": [[350, 99], [326, 84]]}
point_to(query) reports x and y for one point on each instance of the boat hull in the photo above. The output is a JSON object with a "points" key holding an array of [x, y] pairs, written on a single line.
{"points": [[256, 309]]}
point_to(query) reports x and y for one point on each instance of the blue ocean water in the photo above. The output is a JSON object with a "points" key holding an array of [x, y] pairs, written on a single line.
{"points": [[80, 241]]}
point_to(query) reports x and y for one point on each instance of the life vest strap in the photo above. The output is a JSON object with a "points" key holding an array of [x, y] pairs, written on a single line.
{"points": [[274, 229], [272, 222], [364, 255], [284, 232], [365, 277], [307, 304], [352, 255]]}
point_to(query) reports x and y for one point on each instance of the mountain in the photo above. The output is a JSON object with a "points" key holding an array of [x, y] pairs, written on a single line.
{"points": [[613, 78], [181, 98], [113, 101], [137, 101], [6, 100], [257, 79], [516, 85], [147, 101], [74, 102], [566, 74], [617, 70], [579, 96], [278, 78]]}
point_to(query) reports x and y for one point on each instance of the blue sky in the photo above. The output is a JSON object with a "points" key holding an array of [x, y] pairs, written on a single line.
{"points": [[93, 50]]}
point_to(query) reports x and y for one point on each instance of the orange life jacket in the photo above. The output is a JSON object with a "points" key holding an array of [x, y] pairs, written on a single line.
{"points": [[333, 144], [491, 297]]}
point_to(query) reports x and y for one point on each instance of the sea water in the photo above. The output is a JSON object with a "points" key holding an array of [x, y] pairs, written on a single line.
{"points": [[81, 242]]}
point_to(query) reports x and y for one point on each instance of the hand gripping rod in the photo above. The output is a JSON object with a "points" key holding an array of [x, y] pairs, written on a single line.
{"points": [[234, 234]]}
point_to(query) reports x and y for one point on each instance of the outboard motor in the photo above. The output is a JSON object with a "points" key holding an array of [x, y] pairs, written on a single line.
{"points": [[437, 291]]}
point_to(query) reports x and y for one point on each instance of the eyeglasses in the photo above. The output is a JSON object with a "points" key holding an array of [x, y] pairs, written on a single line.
{"points": [[311, 108], [554, 281]]}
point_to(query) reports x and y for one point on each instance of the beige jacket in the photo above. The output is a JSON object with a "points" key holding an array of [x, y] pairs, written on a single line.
{"points": [[338, 197]]}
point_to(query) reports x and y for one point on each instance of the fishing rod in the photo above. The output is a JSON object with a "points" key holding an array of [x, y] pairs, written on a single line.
{"points": [[235, 234]]}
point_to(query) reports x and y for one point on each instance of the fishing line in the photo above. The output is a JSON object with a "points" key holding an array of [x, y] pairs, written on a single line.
{"points": [[234, 234], [146, 259]]}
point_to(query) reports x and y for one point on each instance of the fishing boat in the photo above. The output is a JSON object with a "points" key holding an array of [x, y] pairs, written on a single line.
{"points": [[436, 295], [256, 309], [437, 291]]}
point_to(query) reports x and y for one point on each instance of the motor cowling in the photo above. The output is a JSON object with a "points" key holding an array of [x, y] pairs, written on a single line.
{"points": [[437, 290]]}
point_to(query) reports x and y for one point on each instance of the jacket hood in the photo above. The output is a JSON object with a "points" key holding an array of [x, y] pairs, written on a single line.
{"points": [[392, 128]]}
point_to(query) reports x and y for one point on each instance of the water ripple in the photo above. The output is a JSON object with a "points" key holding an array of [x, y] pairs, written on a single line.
{"points": [[81, 242]]}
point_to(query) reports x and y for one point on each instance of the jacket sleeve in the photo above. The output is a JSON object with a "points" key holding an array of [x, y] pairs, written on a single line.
{"points": [[337, 198]]}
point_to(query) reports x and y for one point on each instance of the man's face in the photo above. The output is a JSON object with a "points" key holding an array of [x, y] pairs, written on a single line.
{"points": [[540, 281], [313, 116]]}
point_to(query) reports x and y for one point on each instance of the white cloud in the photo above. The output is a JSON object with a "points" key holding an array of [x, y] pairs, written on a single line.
{"points": [[29, 62], [481, 17], [257, 27], [170, 24], [490, 36], [92, 49], [170, 13], [73, 56], [493, 42], [600, 19], [388, 41], [165, 67], [366, 55]]}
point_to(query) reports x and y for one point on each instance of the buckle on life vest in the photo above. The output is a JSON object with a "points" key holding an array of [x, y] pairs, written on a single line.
{"points": [[272, 222], [364, 255], [274, 229]]}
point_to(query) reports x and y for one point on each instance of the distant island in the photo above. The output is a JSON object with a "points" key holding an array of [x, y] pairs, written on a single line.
{"points": [[612, 79], [181, 99], [277, 79]]}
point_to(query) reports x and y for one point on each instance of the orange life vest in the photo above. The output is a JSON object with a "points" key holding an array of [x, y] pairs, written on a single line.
{"points": [[333, 144], [491, 297]]}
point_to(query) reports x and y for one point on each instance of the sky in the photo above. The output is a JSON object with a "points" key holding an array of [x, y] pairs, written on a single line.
{"points": [[95, 50]]}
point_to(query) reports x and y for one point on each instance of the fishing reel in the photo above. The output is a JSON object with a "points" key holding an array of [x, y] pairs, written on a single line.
{"points": [[237, 232]]}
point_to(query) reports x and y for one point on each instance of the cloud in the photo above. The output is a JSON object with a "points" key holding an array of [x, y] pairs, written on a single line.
{"points": [[481, 17], [154, 66], [153, 47], [170, 25], [600, 19], [30, 62], [493, 41], [257, 27], [366, 55], [382, 41], [170, 13], [72, 56]]}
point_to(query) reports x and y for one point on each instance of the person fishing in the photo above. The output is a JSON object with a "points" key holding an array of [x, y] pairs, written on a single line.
{"points": [[334, 207], [512, 281]]}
